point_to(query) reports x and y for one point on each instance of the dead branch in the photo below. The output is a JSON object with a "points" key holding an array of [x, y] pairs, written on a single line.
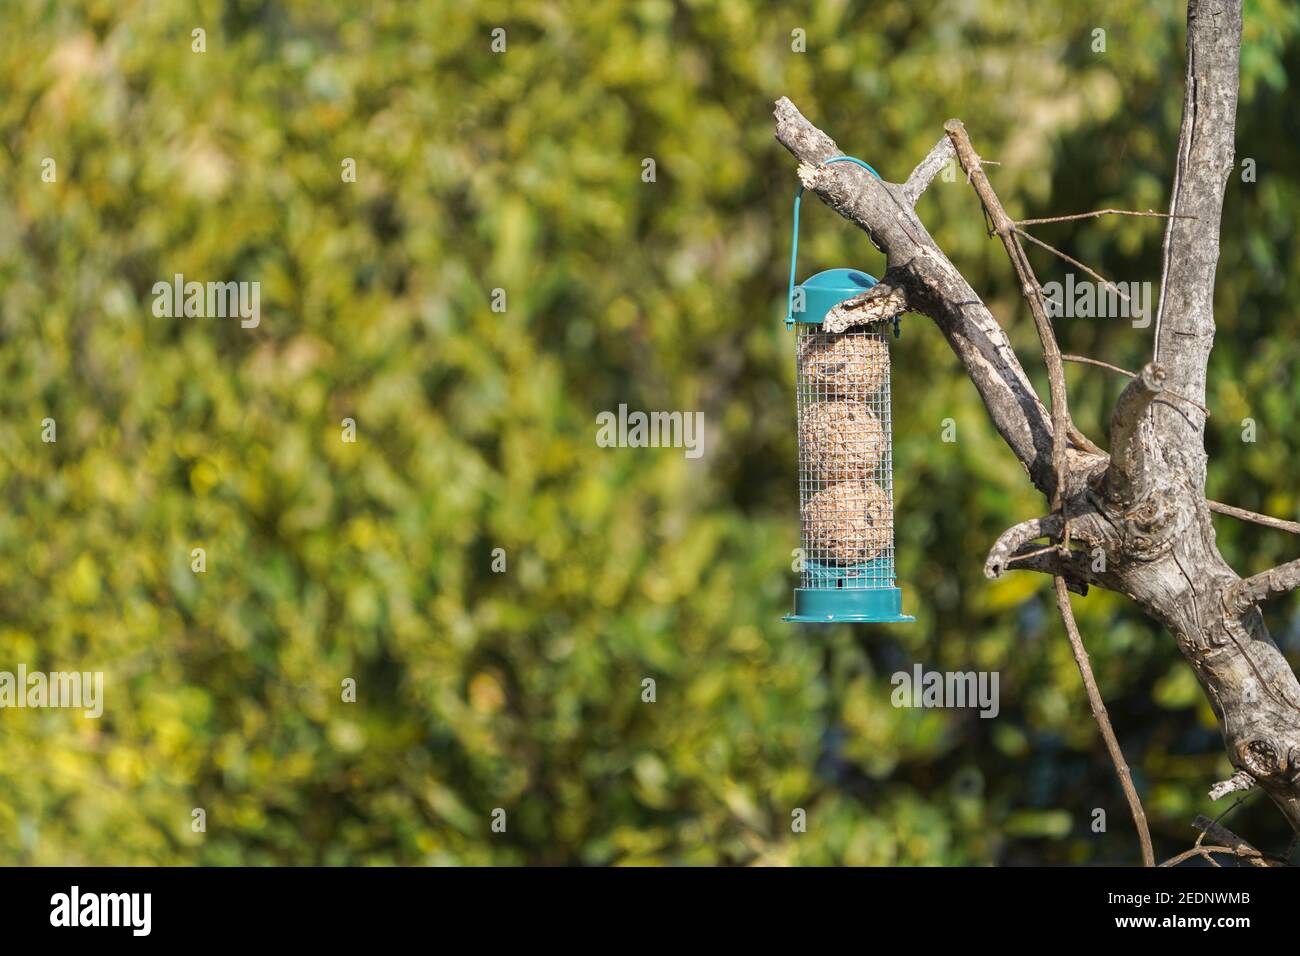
{"points": [[938, 157], [1217, 832], [1006, 231], [1093, 215], [1267, 521], [1239, 781], [1132, 467], [1103, 722], [1071, 565], [883, 301], [1184, 326], [1016, 537], [1265, 586], [1076, 263], [1084, 360]]}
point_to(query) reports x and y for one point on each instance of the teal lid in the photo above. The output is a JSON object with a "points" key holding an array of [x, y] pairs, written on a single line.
{"points": [[825, 291]]}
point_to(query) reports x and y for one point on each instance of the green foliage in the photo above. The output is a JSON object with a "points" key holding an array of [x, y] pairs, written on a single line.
{"points": [[372, 560]]}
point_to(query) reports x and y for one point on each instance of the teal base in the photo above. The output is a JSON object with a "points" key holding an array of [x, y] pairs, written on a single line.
{"points": [[848, 606]]}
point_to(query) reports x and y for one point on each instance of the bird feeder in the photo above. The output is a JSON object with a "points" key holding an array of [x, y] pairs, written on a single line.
{"points": [[846, 487]]}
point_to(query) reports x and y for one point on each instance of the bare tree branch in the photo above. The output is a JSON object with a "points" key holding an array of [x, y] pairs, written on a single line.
{"points": [[1071, 565], [1006, 231], [1084, 360], [1103, 721], [1254, 516], [938, 157], [1273, 583], [1132, 466], [1016, 537], [1092, 215], [1185, 316], [883, 301], [1216, 831], [1076, 263], [1237, 782], [1235, 845]]}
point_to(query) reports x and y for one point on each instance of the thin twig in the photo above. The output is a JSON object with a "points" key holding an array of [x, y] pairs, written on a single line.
{"points": [[1084, 443], [1075, 262], [1034, 553], [1103, 721], [1024, 555], [1221, 834], [1254, 516], [1084, 360], [1199, 850], [1099, 212], [1238, 847], [1033, 292]]}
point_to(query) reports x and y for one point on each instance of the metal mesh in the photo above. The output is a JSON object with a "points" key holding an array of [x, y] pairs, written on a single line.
{"points": [[846, 468]]}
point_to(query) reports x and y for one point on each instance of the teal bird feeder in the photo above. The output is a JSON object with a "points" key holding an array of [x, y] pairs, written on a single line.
{"points": [[846, 482]]}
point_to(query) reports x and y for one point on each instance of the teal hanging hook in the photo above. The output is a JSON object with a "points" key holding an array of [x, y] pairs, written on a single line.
{"points": [[794, 242]]}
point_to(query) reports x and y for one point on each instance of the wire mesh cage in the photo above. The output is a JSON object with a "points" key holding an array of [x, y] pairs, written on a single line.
{"points": [[846, 466], [845, 461]]}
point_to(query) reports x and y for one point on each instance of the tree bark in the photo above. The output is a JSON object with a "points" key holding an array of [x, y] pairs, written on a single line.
{"points": [[1144, 505]]}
